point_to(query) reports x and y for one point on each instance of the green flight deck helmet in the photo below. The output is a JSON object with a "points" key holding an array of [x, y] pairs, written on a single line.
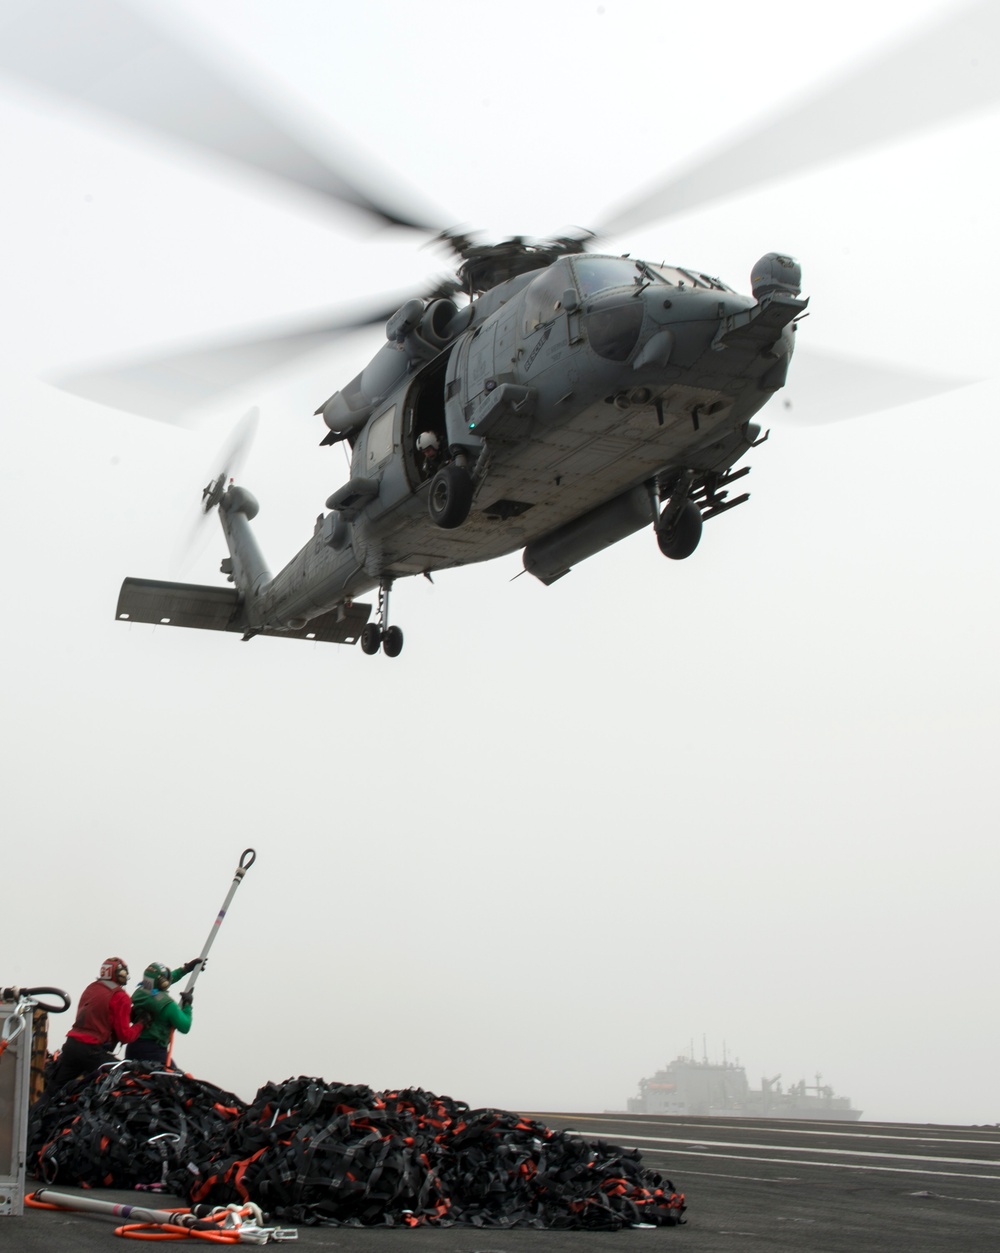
{"points": [[156, 977]]}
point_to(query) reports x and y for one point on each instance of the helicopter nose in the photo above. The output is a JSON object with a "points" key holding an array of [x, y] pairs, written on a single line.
{"points": [[682, 323]]}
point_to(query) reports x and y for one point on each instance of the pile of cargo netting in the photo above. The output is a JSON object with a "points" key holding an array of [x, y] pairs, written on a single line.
{"points": [[312, 1152]]}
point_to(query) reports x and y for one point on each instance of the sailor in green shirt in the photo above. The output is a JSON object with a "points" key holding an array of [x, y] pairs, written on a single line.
{"points": [[153, 1004]]}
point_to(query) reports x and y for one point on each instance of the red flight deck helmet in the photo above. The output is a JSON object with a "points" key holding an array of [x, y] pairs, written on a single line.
{"points": [[115, 971]]}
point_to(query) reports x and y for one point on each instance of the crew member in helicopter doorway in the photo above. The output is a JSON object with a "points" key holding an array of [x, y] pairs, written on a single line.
{"points": [[429, 451]]}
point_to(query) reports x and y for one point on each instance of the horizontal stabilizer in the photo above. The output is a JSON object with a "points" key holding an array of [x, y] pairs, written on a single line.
{"points": [[221, 609], [180, 604]]}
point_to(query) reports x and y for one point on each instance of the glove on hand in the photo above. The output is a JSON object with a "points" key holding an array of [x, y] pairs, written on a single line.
{"points": [[186, 999], [194, 963]]}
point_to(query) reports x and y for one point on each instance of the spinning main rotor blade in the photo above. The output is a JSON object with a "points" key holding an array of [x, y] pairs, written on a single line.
{"points": [[942, 72], [104, 54], [828, 387], [166, 385]]}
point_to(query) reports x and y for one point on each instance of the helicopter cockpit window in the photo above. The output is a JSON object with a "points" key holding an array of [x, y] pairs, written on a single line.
{"points": [[613, 326], [543, 296], [380, 439], [597, 274]]}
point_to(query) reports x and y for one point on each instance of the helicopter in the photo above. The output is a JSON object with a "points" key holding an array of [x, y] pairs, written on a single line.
{"points": [[574, 400], [551, 398]]}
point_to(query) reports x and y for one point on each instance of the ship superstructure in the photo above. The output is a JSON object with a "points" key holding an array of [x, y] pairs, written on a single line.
{"points": [[690, 1087]]}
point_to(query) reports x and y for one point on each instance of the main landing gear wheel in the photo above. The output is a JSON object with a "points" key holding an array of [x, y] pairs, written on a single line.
{"points": [[392, 641], [681, 539], [378, 634], [450, 497]]}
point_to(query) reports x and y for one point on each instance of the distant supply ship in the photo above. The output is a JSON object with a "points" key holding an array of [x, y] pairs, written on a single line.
{"points": [[709, 1088]]}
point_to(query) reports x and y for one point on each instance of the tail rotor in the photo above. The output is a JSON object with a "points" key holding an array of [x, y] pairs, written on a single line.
{"points": [[225, 467]]}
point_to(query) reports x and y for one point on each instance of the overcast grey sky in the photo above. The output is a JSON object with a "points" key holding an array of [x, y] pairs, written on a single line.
{"points": [[749, 796]]}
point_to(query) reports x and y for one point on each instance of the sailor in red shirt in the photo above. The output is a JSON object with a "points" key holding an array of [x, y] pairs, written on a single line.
{"points": [[102, 1023]]}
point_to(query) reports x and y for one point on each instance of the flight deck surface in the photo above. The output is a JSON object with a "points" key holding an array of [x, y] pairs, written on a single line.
{"points": [[752, 1185]]}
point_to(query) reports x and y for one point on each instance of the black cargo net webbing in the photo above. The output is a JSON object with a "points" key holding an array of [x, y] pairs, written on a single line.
{"points": [[313, 1152], [128, 1129]]}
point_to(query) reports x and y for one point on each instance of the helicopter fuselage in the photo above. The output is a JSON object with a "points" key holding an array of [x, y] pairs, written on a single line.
{"points": [[563, 409], [567, 389]]}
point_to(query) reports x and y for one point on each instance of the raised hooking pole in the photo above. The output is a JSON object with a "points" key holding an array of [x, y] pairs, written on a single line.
{"points": [[246, 861]]}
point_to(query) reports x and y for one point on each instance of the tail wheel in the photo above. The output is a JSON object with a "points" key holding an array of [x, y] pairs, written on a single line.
{"points": [[450, 497], [681, 539]]}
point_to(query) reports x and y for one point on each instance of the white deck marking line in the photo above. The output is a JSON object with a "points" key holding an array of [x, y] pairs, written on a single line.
{"points": [[718, 1174], [784, 1161], [792, 1148], [808, 1131], [966, 1200]]}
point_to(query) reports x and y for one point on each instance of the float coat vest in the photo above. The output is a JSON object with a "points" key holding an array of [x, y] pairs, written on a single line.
{"points": [[93, 1016]]}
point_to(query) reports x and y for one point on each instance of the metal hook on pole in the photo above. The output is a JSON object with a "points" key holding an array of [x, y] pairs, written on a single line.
{"points": [[247, 859]]}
